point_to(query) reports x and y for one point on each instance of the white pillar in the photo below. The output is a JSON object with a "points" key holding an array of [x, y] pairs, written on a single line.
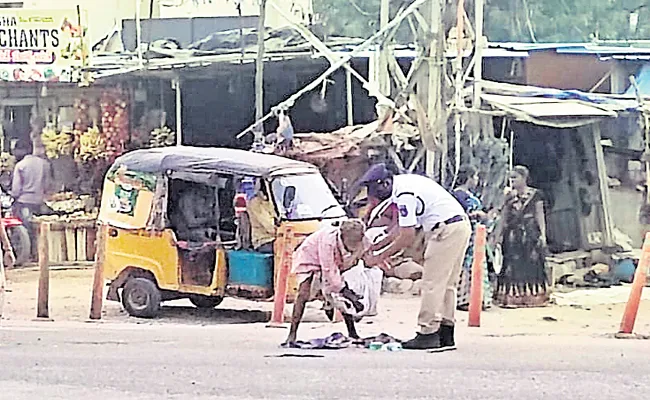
{"points": [[179, 112]]}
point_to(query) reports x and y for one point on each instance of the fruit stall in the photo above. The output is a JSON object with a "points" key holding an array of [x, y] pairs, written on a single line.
{"points": [[81, 153]]}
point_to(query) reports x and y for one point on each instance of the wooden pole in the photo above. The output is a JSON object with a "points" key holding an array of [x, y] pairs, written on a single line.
{"points": [[282, 280], [138, 33], [98, 281], [382, 73], [459, 83], [608, 240], [429, 86], [632, 306], [44, 267], [478, 52], [348, 97], [179, 112], [259, 70], [476, 288]]}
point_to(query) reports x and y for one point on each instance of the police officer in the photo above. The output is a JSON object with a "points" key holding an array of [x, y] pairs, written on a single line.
{"points": [[421, 202]]}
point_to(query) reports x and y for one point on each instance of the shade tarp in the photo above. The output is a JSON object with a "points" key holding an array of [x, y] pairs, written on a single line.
{"points": [[642, 81]]}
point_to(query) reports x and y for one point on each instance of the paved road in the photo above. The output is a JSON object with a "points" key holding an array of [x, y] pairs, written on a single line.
{"points": [[169, 361]]}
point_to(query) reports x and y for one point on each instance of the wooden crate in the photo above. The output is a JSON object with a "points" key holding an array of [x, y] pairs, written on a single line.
{"points": [[69, 243]]}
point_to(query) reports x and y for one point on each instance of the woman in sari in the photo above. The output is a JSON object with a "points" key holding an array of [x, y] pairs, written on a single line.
{"points": [[467, 181], [522, 281]]}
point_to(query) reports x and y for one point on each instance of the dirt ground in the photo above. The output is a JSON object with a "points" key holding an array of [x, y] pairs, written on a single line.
{"points": [[70, 292]]}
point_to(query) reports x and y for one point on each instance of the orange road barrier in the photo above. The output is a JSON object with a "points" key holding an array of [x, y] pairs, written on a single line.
{"points": [[476, 289], [97, 298], [43, 311], [282, 280], [632, 306]]}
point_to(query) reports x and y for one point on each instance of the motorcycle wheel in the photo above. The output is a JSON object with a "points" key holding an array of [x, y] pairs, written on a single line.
{"points": [[21, 243]]}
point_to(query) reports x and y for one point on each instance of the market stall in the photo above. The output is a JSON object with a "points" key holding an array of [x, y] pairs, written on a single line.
{"points": [[81, 147], [72, 228]]}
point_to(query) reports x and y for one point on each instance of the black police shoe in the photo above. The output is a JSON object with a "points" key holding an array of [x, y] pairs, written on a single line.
{"points": [[423, 342], [447, 337]]}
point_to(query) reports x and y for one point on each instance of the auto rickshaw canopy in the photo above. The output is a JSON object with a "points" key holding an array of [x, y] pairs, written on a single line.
{"points": [[187, 159]]}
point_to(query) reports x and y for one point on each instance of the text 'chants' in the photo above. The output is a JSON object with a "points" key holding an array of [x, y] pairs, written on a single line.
{"points": [[29, 38]]}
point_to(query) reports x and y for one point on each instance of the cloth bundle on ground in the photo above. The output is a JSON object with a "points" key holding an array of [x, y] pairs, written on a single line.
{"points": [[364, 282], [338, 341]]}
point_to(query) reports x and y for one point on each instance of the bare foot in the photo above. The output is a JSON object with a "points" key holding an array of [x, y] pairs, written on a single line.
{"points": [[290, 342]]}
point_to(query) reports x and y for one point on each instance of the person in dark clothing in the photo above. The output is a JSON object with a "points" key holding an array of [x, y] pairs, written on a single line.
{"points": [[522, 281], [31, 183]]}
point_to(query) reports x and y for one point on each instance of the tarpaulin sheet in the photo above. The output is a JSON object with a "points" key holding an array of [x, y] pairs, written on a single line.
{"points": [[642, 81]]}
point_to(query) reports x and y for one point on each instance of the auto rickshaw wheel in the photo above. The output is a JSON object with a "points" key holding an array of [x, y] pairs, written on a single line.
{"points": [[141, 298], [201, 301]]}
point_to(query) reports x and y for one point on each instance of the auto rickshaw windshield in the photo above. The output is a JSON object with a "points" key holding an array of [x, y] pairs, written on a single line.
{"points": [[305, 196]]}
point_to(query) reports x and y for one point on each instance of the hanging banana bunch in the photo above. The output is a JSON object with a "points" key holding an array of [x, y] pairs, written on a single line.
{"points": [[57, 144], [92, 146], [7, 162]]}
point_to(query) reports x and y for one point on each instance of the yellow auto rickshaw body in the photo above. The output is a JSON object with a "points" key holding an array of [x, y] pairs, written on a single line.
{"points": [[147, 260]]}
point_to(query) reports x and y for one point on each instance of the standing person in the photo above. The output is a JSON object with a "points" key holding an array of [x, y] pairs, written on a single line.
{"points": [[30, 185], [261, 214], [467, 182], [522, 281], [421, 202]]}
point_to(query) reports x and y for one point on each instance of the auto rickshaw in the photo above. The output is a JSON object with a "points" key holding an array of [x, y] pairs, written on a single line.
{"points": [[153, 255]]}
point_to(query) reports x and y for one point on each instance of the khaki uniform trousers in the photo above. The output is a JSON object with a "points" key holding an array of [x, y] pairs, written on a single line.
{"points": [[443, 261]]}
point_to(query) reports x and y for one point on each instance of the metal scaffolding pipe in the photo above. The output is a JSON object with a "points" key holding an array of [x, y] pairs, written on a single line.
{"points": [[336, 65]]}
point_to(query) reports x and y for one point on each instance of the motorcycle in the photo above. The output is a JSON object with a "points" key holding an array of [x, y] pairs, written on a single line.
{"points": [[17, 232]]}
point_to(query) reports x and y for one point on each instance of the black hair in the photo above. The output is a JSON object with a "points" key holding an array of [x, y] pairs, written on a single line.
{"points": [[465, 173], [392, 169], [22, 144]]}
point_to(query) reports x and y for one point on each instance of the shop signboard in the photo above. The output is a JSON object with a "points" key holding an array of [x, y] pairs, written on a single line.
{"points": [[41, 45]]}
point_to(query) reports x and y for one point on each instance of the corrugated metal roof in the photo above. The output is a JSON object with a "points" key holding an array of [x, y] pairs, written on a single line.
{"points": [[628, 57], [411, 53], [550, 112], [546, 107], [613, 50], [535, 46], [572, 48]]}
